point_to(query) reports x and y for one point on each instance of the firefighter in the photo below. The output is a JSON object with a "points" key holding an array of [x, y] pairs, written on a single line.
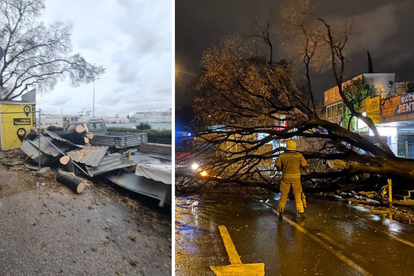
{"points": [[290, 162]]}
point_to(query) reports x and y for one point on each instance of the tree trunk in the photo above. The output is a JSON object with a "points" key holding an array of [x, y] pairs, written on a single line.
{"points": [[67, 164], [72, 135], [71, 181], [80, 129]]}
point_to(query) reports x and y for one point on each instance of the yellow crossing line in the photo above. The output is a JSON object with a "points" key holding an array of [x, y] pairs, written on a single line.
{"points": [[337, 254], [236, 267], [228, 244]]}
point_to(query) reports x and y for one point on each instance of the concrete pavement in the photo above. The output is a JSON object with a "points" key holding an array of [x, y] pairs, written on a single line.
{"points": [[46, 229]]}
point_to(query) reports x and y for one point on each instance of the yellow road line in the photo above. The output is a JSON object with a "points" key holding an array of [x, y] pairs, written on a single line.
{"points": [[236, 267], [393, 236], [228, 244], [337, 254], [332, 241]]}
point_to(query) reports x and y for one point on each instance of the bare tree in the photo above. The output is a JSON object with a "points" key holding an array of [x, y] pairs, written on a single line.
{"points": [[35, 54], [247, 100]]}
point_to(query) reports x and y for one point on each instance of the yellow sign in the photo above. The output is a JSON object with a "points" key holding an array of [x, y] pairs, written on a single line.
{"points": [[372, 105], [389, 106], [374, 117], [16, 121]]}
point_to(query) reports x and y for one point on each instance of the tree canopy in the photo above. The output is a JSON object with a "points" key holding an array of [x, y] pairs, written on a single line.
{"points": [[37, 54], [250, 106]]}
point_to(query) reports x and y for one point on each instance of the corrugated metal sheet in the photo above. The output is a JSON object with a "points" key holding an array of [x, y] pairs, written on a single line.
{"points": [[89, 155], [143, 185], [120, 140], [45, 146], [32, 151], [110, 163], [162, 173], [57, 137]]}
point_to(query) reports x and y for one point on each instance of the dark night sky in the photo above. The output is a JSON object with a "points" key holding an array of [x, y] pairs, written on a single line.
{"points": [[388, 33]]}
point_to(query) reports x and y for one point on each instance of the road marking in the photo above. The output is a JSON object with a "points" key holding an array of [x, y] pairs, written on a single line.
{"points": [[228, 244], [393, 236], [236, 267], [332, 241], [337, 254]]}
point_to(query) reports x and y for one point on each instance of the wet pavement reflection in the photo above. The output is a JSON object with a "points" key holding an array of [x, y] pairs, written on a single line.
{"points": [[335, 238]]}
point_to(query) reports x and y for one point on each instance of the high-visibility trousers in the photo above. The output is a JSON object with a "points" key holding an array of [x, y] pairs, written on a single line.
{"points": [[287, 182]]}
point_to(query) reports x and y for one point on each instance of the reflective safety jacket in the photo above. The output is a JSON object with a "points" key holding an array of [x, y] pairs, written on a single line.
{"points": [[290, 163]]}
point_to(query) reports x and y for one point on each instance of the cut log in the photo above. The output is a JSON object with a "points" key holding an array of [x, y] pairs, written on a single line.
{"points": [[67, 164], [71, 181], [80, 129], [71, 135], [86, 140]]}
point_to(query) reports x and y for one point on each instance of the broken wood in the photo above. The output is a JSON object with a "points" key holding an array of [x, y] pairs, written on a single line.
{"points": [[71, 181], [86, 128], [67, 164]]}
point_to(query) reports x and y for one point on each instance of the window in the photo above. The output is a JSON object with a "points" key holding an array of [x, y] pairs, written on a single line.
{"points": [[329, 112], [340, 109]]}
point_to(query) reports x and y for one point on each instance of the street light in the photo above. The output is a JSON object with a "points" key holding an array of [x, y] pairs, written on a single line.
{"points": [[93, 108]]}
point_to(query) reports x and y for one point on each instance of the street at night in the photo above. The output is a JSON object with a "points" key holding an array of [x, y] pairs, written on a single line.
{"points": [[280, 97], [335, 238]]}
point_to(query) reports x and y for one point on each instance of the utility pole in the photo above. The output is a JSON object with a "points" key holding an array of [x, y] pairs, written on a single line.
{"points": [[93, 108]]}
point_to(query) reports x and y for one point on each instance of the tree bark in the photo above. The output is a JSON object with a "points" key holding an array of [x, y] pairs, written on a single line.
{"points": [[72, 135], [71, 181]]}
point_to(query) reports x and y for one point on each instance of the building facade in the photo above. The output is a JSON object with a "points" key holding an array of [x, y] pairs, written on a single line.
{"points": [[391, 110]]}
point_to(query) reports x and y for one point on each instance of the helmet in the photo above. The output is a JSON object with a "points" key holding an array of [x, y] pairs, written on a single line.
{"points": [[291, 145]]}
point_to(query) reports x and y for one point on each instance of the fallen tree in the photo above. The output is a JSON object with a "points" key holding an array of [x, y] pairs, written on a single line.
{"points": [[250, 103]]}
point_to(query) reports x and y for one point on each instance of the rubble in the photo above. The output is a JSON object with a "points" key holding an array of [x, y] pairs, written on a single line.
{"points": [[43, 171], [75, 151]]}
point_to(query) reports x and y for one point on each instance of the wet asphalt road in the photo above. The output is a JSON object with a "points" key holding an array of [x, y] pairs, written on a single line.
{"points": [[335, 238]]}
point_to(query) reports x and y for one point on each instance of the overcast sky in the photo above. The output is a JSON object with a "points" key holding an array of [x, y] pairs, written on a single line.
{"points": [[386, 25], [132, 39]]}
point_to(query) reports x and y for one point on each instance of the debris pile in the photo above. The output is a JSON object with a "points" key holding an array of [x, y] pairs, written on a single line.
{"points": [[74, 154]]}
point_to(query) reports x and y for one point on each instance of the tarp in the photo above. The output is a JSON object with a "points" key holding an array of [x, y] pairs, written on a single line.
{"points": [[157, 172]]}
